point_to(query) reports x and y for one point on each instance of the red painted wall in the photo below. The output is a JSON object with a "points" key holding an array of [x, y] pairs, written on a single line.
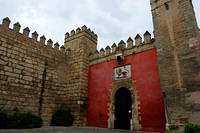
{"points": [[144, 69]]}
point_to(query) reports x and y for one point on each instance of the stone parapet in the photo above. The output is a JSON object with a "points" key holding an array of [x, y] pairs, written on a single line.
{"points": [[125, 49], [84, 31], [81, 38], [15, 32]]}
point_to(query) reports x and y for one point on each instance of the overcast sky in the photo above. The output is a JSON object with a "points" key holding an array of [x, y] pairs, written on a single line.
{"points": [[111, 20]]}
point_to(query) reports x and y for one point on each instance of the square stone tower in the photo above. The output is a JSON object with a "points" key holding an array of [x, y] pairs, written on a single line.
{"points": [[178, 48], [79, 45]]}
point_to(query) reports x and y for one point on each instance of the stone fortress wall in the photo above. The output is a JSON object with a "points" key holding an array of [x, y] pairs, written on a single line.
{"points": [[36, 76], [40, 77], [32, 74]]}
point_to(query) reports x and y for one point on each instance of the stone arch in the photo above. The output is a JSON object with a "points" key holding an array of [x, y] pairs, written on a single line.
{"points": [[129, 84]]}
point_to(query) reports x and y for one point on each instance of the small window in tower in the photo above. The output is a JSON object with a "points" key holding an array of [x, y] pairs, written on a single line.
{"points": [[166, 6]]}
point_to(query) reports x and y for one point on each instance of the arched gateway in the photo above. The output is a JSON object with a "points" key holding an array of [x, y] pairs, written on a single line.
{"points": [[123, 106], [123, 109]]}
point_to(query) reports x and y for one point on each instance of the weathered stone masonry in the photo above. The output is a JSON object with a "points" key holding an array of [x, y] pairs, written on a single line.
{"points": [[23, 62], [178, 45], [81, 43], [38, 78]]}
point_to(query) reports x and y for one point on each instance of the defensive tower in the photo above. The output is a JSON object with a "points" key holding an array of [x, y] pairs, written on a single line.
{"points": [[177, 41], [80, 44]]}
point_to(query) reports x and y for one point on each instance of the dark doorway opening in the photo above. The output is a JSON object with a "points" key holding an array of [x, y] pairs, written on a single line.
{"points": [[123, 110]]}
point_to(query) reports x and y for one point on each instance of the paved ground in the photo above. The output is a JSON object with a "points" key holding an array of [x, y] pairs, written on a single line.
{"points": [[66, 130]]}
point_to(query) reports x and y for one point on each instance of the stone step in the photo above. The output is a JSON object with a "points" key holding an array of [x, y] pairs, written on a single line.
{"points": [[68, 130]]}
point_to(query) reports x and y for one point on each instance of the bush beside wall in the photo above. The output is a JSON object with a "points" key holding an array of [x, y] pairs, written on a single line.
{"points": [[168, 131], [3, 119], [19, 120], [62, 117], [190, 128]]}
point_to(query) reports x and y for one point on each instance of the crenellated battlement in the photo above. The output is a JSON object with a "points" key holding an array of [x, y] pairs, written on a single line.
{"points": [[73, 40], [139, 44], [83, 31], [81, 38], [26, 35]]}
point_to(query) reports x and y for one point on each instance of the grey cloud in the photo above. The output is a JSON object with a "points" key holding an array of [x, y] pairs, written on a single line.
{"points": [[111, 20]]}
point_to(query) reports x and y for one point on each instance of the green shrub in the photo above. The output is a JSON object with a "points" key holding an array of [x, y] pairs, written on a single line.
{"points": [[29, 120], [3, 119], [189, 128], [19, 120], [62, 117], [24, 120], [14, 120], [168, 131], [196, 128]]}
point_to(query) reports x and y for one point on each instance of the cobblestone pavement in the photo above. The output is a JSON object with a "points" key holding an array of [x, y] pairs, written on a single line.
{"points": [[67, 130]]}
